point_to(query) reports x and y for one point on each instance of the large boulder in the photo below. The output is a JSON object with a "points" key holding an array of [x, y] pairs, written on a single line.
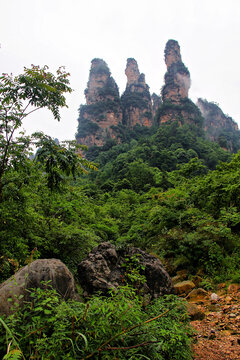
{"points": [[32, 276], [107, 268]]}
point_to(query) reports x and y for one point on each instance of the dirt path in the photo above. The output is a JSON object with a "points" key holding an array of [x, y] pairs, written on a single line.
{"points": [[218, 334]]}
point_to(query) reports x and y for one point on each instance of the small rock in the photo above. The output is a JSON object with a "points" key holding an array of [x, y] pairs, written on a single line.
{"points": [[214, 297], [232, 315], [184, 287], [197, 294], [228, 299]]}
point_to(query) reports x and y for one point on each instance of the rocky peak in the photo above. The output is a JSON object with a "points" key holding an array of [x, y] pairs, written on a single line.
{"points": [[172, 53], [176, 106], [177, 77], [101, 86], [102, 110], [132, 71], [136, 99]]}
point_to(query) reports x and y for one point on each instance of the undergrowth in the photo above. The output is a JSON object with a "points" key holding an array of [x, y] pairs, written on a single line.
{"points": [[113, 327]]}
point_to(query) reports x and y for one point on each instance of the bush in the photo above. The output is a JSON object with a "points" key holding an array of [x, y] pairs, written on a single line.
{"points": [[114, 327]]}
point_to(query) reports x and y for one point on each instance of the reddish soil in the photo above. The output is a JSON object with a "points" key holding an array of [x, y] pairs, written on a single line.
{"points": [[218, 334]]}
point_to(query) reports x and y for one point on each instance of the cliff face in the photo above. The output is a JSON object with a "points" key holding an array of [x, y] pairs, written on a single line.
{"points": [[176, 105], [136, 99], [218, 126], [102, 110]]}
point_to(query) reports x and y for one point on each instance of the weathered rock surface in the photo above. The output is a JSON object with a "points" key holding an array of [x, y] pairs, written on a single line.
{"points": [[102, 110], [31, 276], [219, 127], [136, 99], [105, 268], [106, 116], [197, 294], [176, 105], [184, 287], [177, 77]]}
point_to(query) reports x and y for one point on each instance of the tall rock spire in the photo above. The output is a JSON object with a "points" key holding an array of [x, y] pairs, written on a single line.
{"points": [[176, 106], [177, 77], [136, 99], [102, 110]]}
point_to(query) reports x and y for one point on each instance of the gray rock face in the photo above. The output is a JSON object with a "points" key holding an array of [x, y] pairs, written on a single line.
{"points": [[31, 276], [105, 268]]}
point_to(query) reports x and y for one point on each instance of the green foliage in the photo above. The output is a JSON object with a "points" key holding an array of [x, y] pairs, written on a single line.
{"points": [[60, 159], [19, 96], [133, 272], [87, 127], [186, 106], [14, 354], [193, 168], [100, 67], [97, 111], [116, 327]]}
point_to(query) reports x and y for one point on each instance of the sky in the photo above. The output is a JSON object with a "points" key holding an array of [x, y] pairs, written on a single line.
{"points": [[71, 33]]}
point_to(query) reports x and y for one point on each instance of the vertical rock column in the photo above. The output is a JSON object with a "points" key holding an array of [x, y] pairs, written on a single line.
{"points": [[102, 111], [177, 77], [176, 106], [136, 99]]}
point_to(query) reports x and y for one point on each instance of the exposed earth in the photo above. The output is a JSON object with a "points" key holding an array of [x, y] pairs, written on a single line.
{"points": [[218, 334]]}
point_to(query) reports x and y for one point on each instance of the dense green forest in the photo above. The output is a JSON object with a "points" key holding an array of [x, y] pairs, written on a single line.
{"points": [[166, 190]]}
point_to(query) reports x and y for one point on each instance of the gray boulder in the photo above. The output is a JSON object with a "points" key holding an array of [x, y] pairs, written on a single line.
{"points": [[106, 268], [31, 276]]}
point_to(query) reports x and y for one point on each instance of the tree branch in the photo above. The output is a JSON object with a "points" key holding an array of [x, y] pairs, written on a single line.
{"points": [[130, 347]]}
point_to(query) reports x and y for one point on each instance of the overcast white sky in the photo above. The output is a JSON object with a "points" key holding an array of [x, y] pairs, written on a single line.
{"points": [[73, 32]]}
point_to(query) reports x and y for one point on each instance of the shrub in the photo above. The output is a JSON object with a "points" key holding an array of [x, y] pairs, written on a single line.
{"points": [[114, 327]]}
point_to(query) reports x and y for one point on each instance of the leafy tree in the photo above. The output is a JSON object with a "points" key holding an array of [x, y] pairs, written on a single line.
{"points": [[20, 96], [60, 159]]}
